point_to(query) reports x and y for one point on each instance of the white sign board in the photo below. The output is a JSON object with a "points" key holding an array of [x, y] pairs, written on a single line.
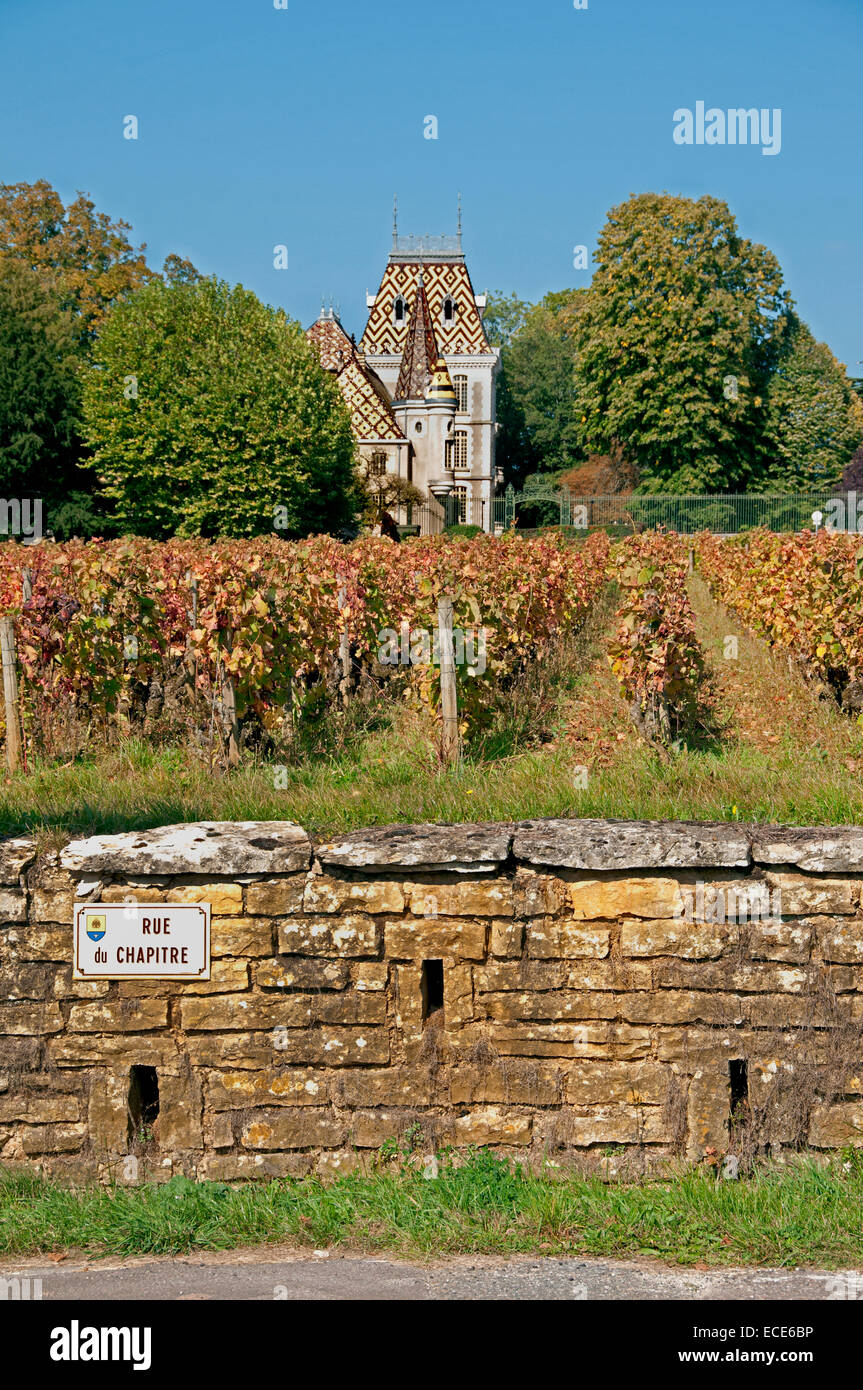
{"points": [[152, 941]]}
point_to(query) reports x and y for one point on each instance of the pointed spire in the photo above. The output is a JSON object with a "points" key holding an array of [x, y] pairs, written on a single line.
{"points": [[395, 220], [459, 221], [420, 352], [441, 390]]}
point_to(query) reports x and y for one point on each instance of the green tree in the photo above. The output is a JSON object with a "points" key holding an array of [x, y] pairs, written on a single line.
{"points": [[676, 343], [207, 411], [79, 253], [812, 426], [40, 442], [503, 316], [537, 401]]}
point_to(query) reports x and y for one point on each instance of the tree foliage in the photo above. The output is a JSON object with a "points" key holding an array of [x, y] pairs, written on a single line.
{"points": [[39, 389], [537, 391], [209, 414], [812, 427], [78, 252], [676, 342]]}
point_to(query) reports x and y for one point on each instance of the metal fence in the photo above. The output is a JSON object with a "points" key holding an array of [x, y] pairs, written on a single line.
{"points": [[724, 513]]}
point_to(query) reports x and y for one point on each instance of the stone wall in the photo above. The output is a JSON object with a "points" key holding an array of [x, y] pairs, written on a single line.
{"points": [[595, 1006]]}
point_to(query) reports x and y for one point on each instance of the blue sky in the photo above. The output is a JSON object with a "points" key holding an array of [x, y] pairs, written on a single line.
{"points": [[260, 127]]}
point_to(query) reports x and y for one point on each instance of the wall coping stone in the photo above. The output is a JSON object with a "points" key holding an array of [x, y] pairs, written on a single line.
{"points": [[220, 848], [618, 844], [16, 855], [470, 848], [241, 849], [818, 849]]}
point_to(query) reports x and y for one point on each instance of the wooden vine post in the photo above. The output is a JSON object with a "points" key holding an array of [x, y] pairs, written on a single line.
{"points": [[10, 694], [448, 695], [344, 654]]}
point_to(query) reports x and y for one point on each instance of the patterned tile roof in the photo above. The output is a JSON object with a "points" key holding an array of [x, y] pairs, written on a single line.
{"points": [[465, 334], [420, 352], [365, 395]]}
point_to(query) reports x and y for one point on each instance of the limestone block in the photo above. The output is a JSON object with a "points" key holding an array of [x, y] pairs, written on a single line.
{"points": [[837, 1126], [423, 939], [350, 1006], [302, 972], [368, 1129], [324, 894], [352, 935], [118, 1016], [538, 895], [488, 1125], [801, 896], [708, 1113], [467, 899], [400, 1086], [225, 899], [789, 941], [207, 847], [473, 849], [43, 943], [108, 1117], [506, 938], [180, 1109], [137, 1049], [38, 1109], [555, 938], [816, 849], [30, 1019], [610, 844], [16, 855], [674, 937], [761, 977], [275, 897], [840, 939], [241, 936], [223, 1012], [595, 899], [13, 907], [52, 1139], [238, 1090], [226, 977], [547, 1004], [370, 975], [507, 1083], [604, 1083], [236, 1167], [293, 1129]]}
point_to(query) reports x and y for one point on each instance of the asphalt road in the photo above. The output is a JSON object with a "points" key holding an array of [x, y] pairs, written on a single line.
{"points": [[286, 1274]]}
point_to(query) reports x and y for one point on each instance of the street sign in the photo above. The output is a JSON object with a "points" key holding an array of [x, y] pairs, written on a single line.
{"points": [[151, 941]]}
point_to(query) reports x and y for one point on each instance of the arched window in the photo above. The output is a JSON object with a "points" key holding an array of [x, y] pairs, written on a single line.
{"points": [[400, 309], [448, 313], [377, 464]]}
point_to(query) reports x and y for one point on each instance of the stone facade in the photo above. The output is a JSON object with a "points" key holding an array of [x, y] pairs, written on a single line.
{"points": [[591, 991]]}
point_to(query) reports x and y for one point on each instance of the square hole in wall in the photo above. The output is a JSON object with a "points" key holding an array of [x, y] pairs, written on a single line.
{"points": [[143, 1106], [431, 985]]}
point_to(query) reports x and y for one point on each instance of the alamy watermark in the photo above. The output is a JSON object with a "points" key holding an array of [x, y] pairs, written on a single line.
{"points": [[21, 516], [740, 903], [737, 126], [420, 646], [841, 513]]}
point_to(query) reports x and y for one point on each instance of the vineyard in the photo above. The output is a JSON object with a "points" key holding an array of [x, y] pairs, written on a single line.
{"points": [[803, 593], [589, 678], [236, 640]]}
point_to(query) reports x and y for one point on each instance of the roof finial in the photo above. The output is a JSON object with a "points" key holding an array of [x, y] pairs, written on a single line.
{"points": [[459, 221], [395, 220]]}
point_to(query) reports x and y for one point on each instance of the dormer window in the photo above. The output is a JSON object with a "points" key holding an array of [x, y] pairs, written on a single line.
{"points": [[400, 310], [448, 313]]}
